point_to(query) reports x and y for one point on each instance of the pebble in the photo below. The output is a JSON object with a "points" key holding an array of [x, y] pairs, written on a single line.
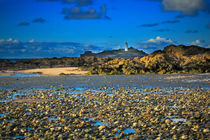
{"points": [[105, 114]]}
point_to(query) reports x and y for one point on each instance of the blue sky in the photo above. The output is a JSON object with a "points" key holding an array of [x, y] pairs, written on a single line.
{"points": [[48, 28]]}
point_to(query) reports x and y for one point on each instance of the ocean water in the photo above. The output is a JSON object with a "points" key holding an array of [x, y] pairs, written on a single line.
{"points": [[15, 60]]}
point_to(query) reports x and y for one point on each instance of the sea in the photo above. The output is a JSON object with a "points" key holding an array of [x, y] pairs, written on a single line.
{"points": [[15, 60]]}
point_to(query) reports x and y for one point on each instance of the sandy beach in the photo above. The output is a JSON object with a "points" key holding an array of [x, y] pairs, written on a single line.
{"points": [[49, 71], [5, 73]]}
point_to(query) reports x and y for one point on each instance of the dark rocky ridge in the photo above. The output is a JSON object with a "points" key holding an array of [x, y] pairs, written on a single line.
{"points": [[52, 63], [121, 53], [181, 50]]}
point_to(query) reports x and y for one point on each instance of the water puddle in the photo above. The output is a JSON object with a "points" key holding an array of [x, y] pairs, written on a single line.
{"points": [[144, 101], [173, 106], [175, 119], [129, 130], [52, 119], [4, 101], [118, 133], [17, 137], [96, 123], [28, 113], [20, 75]]}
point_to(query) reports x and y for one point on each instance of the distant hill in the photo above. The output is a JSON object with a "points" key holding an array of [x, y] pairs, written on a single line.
{"points": [[121, 53]]}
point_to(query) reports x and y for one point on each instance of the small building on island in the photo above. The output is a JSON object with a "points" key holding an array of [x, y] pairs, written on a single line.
{"points": [[126, 46]]}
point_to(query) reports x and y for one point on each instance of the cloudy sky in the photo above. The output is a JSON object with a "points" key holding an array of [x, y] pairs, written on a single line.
{"points": [[48, 28]]}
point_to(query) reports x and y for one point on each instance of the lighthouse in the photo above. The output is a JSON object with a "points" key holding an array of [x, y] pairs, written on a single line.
{"points": [[126, 46]]}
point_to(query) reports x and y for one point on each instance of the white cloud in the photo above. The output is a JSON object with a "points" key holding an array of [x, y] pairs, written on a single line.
{"points": [[159, 39], [32, 40], [11, 40], [23, 50], [201, 43], [196, 42], [154, 44], [187, 7]]}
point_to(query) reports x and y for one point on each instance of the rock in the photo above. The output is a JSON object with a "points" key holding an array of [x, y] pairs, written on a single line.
{"points": [[163, 125], [60, 137], [197, 115], [184, 137], [168, 121], [158, 138], [101, 127], [135, 124], [205, 130], [174, 137], [189, 123]]}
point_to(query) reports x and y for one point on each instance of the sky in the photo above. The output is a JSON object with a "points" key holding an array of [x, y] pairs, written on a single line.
{"points": [[57, 28]]}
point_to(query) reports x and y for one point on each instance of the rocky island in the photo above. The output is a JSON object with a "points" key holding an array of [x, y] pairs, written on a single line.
{"points": [[128, 53]]}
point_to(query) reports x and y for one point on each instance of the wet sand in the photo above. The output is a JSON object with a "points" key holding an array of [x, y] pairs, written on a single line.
{"points": [[113, 81], [5, 73]]}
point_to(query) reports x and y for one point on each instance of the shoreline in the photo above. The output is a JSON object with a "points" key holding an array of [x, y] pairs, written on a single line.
{"points": [[76, 71]]}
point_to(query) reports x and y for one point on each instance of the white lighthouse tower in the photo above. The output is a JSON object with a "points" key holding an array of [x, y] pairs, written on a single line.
{"points": [[126, 46]]}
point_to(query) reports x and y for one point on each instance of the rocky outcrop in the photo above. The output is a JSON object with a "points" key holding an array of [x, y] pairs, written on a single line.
{"points": [[181, 50], [85, 62], [180, 58], [173, 59], [5, 64]]}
